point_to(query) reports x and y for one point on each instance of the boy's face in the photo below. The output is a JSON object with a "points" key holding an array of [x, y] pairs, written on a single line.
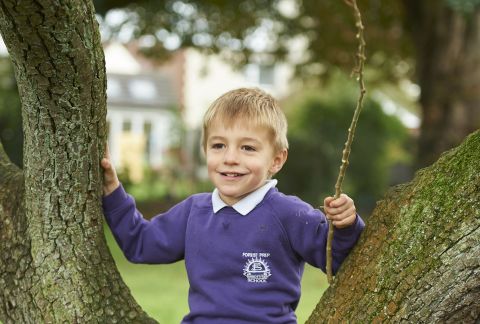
{"points": [[240, 158]]}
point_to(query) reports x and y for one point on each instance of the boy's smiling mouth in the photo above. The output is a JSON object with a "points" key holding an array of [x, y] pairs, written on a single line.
{"points": [[231, 174]]}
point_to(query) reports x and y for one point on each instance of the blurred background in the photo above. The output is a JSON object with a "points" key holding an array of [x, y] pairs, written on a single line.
{"points": [[166, 61]]}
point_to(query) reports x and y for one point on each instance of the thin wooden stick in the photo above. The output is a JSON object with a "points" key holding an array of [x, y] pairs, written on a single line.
{"points": [[360, 62]]}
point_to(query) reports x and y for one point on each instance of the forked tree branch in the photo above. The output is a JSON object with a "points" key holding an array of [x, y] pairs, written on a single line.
{"points": [[11, 192], [11, 178], [358, 71]]}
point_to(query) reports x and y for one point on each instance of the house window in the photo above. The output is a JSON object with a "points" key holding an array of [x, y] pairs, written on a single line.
{"points": [[142, 89], [114, 89], [147, 130], [261, 74], [266, 74], [127, 126]]}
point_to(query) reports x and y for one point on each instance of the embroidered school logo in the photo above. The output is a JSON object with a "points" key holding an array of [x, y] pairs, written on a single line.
{"points": [[256, 268]]}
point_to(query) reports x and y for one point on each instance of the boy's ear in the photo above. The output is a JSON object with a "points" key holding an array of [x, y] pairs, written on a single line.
{"points": [[279, 160]]}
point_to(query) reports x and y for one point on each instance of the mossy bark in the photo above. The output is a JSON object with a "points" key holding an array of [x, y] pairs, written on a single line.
{"points": [[54, 262], [418, 260]]}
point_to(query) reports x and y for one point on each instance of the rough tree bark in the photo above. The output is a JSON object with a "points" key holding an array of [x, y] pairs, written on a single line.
{"points": [[54, 262], [447, 44], [418, 260]]}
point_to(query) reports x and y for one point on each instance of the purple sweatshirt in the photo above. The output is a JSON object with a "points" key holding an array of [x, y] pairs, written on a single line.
{"points": [[241, 269]]}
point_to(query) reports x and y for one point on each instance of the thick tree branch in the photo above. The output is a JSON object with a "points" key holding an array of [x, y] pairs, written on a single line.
{"points": [[418, 258], [9, 172], [11, 184], [14, 242]]}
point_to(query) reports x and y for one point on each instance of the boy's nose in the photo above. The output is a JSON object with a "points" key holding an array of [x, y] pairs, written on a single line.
{"points": [[230, 157]]}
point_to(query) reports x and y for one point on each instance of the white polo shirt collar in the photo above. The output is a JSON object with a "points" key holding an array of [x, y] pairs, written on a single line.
{"points": [[248, 203]]}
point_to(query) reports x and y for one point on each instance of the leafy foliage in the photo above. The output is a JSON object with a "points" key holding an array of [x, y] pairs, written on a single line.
{"points": [[228, 27], [318, 128], [209, 25], [465, 6]]}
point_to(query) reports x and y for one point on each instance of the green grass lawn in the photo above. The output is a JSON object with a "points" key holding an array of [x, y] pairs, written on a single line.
{"points": [[162, 290]]}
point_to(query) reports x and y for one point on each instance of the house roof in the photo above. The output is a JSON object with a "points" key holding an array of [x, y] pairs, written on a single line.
{"points": [[140, 90]]}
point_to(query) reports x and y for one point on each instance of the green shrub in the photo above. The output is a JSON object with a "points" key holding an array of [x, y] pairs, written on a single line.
{"points": [[168, 185], [318, 124]]}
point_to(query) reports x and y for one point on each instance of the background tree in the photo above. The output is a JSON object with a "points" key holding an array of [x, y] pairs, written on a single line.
{"points": [[439, 39], [446, 38]]}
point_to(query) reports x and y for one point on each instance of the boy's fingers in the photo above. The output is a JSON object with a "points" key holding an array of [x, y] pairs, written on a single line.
{"points": [[345, 222], [106, 163], [327, 201], [107, 151], [345, 214], [336, 211], [340, 201], [109, 170], [340, 209]]}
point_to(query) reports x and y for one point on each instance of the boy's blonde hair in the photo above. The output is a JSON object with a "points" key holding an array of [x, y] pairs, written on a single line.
{"points": [[255, 106]]}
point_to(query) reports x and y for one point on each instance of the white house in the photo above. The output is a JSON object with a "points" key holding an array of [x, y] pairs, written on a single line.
{"points": [[142, 109], [208, 77], [145, 99]]}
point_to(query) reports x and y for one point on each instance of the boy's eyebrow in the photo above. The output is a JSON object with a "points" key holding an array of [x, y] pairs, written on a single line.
{"points": [[213, 138], [251, 139]]}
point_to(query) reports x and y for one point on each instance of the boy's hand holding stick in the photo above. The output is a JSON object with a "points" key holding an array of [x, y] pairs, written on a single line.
{"points": [[360, 61]]}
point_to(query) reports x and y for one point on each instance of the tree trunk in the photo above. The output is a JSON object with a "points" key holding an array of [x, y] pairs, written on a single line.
{"points": [[418, 260], [447, 44], [54, 262]]}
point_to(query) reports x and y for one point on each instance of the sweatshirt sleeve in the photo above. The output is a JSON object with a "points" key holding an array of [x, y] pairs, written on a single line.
{"points": [[160, 240], [307, 230]]}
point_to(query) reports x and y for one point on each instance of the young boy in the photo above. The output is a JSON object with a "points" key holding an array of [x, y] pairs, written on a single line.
{"points": [[245, 243]]}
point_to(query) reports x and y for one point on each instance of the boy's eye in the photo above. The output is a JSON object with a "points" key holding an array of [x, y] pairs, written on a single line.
{"points": [[248, 148], [217, 146]]}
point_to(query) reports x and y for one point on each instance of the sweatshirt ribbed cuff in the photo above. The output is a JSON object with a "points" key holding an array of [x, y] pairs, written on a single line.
{"points": [[358, 224], [112, 200]]}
